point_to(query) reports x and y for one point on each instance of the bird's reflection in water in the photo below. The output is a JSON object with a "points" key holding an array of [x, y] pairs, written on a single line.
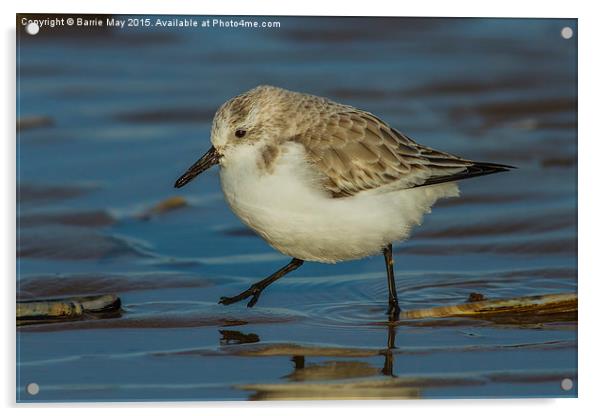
{"points": [[352, 368], [328, 370], [299, 361], [388, 352], [332, 379]]}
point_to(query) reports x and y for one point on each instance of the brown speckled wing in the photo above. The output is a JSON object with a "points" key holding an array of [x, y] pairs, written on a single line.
{"points": [[356, 151]]}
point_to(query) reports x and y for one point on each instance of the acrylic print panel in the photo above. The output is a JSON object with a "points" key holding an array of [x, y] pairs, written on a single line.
{"points": [[120, 273]]}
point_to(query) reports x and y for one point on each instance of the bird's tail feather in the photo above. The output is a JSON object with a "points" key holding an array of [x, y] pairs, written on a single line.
{"points": [[473, 170]]}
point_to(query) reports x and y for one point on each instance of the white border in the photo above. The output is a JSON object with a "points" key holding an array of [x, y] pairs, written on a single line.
{"points": [[590, 69]]}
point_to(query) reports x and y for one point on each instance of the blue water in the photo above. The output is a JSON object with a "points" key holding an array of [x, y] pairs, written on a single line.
{"points": [[131, 109]]}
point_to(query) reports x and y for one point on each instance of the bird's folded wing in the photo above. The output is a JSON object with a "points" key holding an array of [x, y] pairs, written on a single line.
{"points": [[356, 151]]}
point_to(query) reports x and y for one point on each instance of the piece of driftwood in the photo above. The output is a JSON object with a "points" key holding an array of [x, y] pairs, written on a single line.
{"points": [[53, 310], [542, 307]]}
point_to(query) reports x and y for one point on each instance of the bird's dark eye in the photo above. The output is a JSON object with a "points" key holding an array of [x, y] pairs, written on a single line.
{"points": [[240, 133]]}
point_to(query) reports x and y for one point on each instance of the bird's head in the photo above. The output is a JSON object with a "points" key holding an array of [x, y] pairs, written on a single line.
{"points": [[257, 117]]}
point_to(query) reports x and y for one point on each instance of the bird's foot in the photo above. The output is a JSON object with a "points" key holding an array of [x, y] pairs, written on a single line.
{"points": [[253, 291], [393, 310]]}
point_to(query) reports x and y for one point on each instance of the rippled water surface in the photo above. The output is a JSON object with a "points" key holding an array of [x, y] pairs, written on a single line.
{"points": [[111, 118]]}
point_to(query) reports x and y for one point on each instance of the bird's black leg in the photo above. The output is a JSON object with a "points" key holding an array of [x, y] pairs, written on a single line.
{"points": [[393, 310], [256, 288]]}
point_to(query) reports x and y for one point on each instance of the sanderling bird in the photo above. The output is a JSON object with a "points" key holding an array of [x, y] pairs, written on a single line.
{"points": [[323, 181]]}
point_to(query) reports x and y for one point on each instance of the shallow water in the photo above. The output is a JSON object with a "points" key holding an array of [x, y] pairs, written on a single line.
{"points": [[126, 112]]}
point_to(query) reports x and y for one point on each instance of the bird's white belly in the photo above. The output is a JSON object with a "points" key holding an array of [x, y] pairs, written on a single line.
{"points": [[290, 211]]}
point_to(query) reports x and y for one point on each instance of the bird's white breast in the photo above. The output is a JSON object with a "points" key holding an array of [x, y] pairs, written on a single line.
{"points": [[289, 209]]}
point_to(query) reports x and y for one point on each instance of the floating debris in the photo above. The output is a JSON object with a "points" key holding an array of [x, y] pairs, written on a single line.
{"points": [[561, 307], [31, 122], [475, 297], [237, 337], [55, 310], [167, 205]]}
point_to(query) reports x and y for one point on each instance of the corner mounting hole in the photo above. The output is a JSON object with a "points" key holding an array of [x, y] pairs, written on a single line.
{"points": [[32, 28], [33, 388], [566, 384], [566, 32]]}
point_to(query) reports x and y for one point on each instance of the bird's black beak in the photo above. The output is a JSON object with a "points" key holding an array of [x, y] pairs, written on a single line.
{"points": [[205, 162]]}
